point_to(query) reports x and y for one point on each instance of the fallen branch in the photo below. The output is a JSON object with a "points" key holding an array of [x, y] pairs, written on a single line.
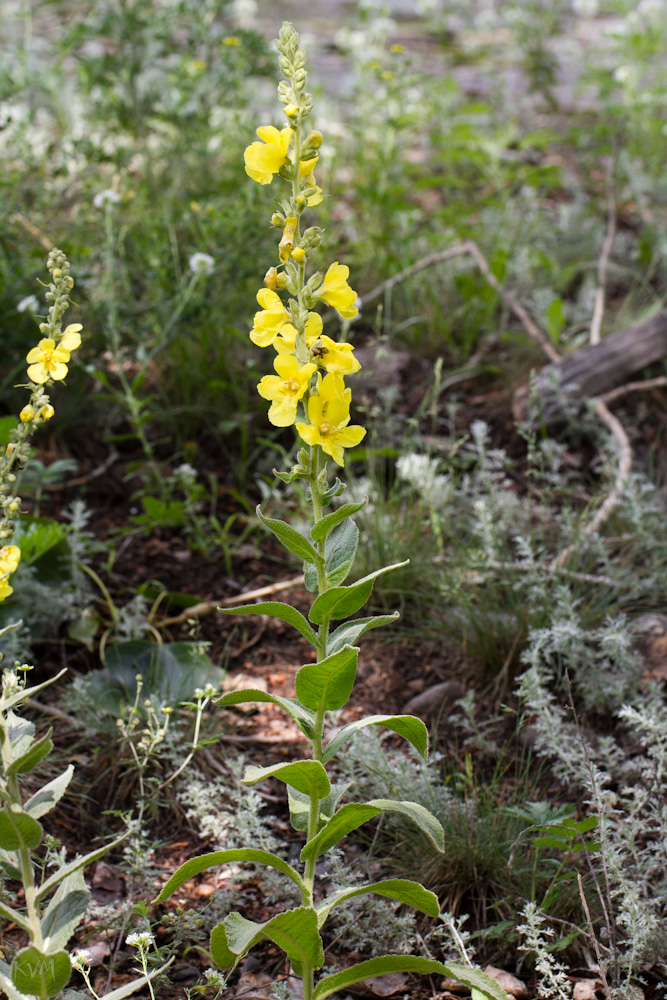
{"points": [[208, 607], [470, 248]]}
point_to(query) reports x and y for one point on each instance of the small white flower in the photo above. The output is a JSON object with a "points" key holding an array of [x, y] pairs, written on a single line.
{"points": [[139, 939], [80, 958], [29, 304], [585, 8], [202, 263], [106, 197], [244, 13]]}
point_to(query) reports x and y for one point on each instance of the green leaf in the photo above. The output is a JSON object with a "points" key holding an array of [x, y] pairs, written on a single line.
{"points": [[194, 866], [303, 718], [299, 806], [353, 814], [290, 538], [21, 696], [310, 580], [285, 612], [48, 795], [87, 859], [7, 985], [13, 916], [475, 979], [10, 865], [349, 632], [340, 550], [385, 964], [307, 776], [39, 974], [408, 726], [401, 889], [295, 931], [36, 536], [328, 684], [324, 526], [18, 830], [20, 732], [136, 984], [29, 760], [64, 912], [555, 319], [340, 602]]}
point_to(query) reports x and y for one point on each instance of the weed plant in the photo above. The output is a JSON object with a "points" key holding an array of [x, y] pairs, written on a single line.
{"points": [[310, 374]]}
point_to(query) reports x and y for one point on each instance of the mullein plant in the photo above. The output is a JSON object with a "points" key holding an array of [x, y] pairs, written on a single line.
{"points": [[53, 904], [310, 370]]}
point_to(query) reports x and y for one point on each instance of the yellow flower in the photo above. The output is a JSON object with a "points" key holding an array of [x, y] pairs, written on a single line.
{"points": [[284, 344], [27, 414], [264, 159], [298, 254], [287, 241], [50, 361], [47, 361], [306, 166], [10, 556], [230, 40], [329, 416], [286, 388], [335, 357], [45, 412], [9, 560], [291, 110], [336, 292], [71, 338], [269, 322]]}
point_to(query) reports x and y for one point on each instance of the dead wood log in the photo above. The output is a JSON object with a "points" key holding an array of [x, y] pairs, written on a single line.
{"points": [[596, 369]]}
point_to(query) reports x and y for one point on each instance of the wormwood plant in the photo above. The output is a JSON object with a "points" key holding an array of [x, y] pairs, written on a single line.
{"points": [[310, 369]]}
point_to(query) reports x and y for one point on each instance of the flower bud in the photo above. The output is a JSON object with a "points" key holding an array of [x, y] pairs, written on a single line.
{"points": [[298, 254], [271, 278], [282, 280], [314, 138], [291, 110], [278, 220], [27, 414]]}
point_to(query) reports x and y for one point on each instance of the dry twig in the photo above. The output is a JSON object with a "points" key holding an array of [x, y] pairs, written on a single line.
{"points": [[208, 607]]}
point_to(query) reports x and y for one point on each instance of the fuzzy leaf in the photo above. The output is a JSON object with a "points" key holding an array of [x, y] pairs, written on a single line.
{"points": [[310, 577], [329, 521], [9, 864], [136, 984], [81, 862], [45, 799], [13, 916], [328, 684], [194, 866], [339, 602], [408, 726], [353, 814], [20, 696], [290, 537], [17, 830], [285, 612], [29, 760], [303, 718], [401, 889], [40, 974], [299, 806], [349, 632], [307, 776], [385, 964], [6, 985], [295, 931], [64, 912], [341, 548]]}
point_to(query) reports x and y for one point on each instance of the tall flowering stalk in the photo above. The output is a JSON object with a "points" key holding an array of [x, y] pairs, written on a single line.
{"points": [[310, 371], [47, 364]]}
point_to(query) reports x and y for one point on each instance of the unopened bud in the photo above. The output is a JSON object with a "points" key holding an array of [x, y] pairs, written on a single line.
{"points": [[271, 279], [278, 220]]}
